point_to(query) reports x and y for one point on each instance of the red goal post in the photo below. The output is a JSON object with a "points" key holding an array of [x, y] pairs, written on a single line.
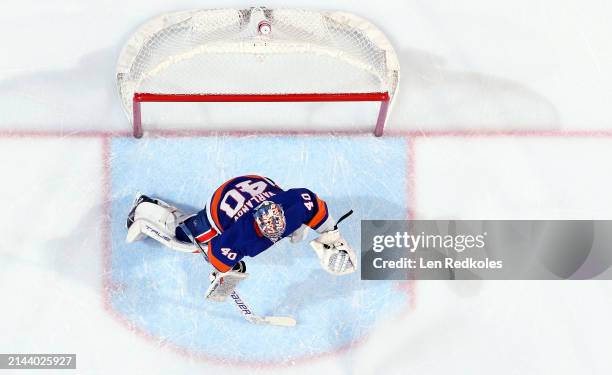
{"points": [[222, 55], [382, 97]]}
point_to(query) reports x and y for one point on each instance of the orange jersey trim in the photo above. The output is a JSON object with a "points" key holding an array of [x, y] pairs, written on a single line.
{"points": [[219, 265], [321, 213], [214, 209], [206, 236]]}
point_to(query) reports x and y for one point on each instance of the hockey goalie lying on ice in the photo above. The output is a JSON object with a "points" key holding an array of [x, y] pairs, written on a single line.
{"points": [[245, 216]]}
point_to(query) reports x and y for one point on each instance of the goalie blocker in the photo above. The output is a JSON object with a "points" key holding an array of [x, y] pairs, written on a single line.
{"points": [[245, 216]]}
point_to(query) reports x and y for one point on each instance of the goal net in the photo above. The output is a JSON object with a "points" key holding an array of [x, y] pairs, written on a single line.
{"points": [[257, 55]]}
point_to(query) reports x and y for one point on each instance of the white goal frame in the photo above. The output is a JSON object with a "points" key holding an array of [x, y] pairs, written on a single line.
{"points": [[167, 41]]}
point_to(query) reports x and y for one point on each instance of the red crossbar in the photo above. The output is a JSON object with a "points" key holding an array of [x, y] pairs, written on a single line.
{"points": [[382, 97]]}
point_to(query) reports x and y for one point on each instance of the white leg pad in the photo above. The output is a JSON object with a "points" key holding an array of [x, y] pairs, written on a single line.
{"points": [[144, 227], [158, 222], [162, 216]]}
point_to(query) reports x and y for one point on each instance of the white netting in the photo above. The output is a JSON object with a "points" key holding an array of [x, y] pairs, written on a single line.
{"points": [[221, 51]]}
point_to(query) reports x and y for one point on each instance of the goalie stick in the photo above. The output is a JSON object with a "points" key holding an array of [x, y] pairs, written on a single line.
{"points": [[285, 321], [245, 310]]}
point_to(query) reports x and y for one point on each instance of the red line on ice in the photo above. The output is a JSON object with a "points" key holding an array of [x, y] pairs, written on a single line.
{"points": [[246, 133]]}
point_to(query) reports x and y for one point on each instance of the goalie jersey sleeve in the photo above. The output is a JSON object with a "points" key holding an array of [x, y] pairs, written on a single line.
{"points": [[239, 235]]}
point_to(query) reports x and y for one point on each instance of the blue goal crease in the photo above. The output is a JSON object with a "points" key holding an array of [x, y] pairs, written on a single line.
{"points": [[162, 290]]}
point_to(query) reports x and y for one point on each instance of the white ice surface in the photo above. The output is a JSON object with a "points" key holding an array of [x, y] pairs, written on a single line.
{"points": [[536, 65]]}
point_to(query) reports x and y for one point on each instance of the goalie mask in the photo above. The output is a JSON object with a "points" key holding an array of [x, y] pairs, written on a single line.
{"points": [[270, 219]]}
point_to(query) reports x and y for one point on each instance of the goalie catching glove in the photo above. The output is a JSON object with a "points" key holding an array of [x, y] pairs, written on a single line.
{"points": [[335, 254]]}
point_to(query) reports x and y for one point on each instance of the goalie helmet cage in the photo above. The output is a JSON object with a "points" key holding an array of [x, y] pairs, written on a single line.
{"points": [[257, 55]]}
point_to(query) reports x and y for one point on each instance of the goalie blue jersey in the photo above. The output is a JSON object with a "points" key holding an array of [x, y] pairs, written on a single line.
{"points": [[227, 229]]}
